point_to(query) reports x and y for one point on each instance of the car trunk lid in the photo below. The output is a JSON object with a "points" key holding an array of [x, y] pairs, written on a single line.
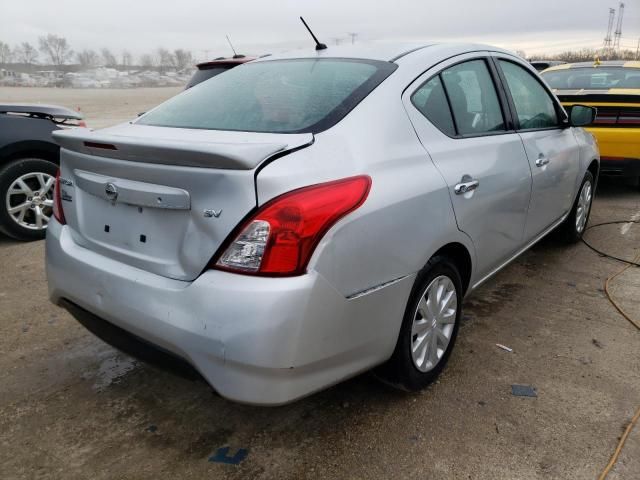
{"points": [[161, 199]]}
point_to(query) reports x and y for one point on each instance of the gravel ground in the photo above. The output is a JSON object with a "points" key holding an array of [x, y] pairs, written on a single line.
{"points": [[71, 407]]}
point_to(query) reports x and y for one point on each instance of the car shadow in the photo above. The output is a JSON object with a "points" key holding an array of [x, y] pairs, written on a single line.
{"points": [[5, 240], [612, 187]]}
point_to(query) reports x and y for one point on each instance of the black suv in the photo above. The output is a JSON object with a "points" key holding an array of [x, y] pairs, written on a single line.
{"points": [[28, 163]]}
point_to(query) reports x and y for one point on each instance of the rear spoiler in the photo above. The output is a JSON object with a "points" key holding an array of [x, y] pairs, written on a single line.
{"points": [[194, 148], [50, 111]]}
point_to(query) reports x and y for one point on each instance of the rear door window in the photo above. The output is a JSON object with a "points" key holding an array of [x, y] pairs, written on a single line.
{"points": [[473, 98], [461, 100], [277, 96], [431, 101]]}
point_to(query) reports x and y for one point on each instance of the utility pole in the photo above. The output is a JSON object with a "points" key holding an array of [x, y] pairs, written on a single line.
{"points": [[353, 37], [618, 33], [638, 50], [606, 46]]}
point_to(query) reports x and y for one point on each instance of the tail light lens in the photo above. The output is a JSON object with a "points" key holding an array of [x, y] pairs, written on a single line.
{"points": [[279, 239], [58, 213]]}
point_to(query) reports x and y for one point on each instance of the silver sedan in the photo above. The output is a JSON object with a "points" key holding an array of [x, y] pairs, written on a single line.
{"points": [[309, 216]]}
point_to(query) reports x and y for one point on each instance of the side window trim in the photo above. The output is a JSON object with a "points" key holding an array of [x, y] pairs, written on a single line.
{"points": [[503, 98], [514, 117], [446, 95], [506, 102]]}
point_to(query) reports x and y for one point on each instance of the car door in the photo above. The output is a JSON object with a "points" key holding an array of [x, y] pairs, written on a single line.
{"points": [[461, 119], [551, 147]]}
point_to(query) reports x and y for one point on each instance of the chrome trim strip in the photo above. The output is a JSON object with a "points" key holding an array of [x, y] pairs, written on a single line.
{"points": [[375, 288]]}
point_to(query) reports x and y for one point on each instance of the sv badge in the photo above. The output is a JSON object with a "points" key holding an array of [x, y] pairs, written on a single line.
{"points": [[212, 213]]}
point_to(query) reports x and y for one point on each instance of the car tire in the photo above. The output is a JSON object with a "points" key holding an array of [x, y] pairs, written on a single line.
{"points": [[25, 177], [572, 229], [413, 365]]}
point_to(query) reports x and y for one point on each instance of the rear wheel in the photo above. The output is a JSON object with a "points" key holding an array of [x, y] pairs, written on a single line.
{"points": [[26, 197], [429, 327], [574, 226]]}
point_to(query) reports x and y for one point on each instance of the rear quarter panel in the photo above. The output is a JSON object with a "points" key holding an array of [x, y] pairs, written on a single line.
{"points": [[407, 216]]}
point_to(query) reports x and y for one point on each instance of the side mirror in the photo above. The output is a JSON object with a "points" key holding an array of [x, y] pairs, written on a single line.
{"points": [[581, 115]]}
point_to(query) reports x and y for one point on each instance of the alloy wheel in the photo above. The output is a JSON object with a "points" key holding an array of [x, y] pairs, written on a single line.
{"points": [[584, 205], [29, 200]]}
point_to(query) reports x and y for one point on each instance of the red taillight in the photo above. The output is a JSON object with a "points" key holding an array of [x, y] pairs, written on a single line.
{"points": [[58, 212], [280, 238]]}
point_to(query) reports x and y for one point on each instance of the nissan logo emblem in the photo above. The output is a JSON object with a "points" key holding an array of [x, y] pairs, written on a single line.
{"points": [[111, 191]]}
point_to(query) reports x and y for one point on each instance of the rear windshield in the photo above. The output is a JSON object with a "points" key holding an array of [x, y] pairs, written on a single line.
{"points": [[205, 74], [595, 78], [277, 96]]}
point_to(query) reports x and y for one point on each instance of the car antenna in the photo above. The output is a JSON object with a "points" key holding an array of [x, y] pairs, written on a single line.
{"points": [[235, 55], [319, 46]]}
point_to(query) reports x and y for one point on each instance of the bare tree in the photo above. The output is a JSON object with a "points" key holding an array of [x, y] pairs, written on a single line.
{"points": [[56, 48], [127, 59], [147, 60], [87, 58], [108, 58], [182, 58], [26, 53], [5, 53], [165, 58]]}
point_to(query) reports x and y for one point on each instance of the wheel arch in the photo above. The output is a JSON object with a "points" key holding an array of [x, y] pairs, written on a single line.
{"points": [[461, 257], [594, 168], [30, 149]]}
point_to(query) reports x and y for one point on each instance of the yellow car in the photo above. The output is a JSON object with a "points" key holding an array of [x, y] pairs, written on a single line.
{"points": [[613, 87]]}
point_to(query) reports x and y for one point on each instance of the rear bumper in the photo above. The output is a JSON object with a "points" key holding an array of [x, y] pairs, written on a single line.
{"points": [[619, 150], [622, 167], [256, 340]]}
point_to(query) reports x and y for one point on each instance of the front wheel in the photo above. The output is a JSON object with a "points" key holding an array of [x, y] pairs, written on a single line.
{"points": [[429, 327], [575, 224], [26, 197]]}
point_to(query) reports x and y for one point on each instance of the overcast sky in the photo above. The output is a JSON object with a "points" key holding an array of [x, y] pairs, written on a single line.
{"points": [[261, 26]]}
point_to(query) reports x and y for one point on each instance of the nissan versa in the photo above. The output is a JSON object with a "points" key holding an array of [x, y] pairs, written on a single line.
{"points": [[309, 216]]}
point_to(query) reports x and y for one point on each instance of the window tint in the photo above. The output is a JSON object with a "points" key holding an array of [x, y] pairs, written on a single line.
{"points": [[473, 98], [534, 106], [431, 100], [286, 96]]}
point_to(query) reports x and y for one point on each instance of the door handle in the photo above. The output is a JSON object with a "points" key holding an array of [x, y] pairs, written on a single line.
{"points": [[542, 161], [464, 187]]}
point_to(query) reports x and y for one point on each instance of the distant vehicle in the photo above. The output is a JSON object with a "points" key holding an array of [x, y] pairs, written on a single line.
{"points": [[540, 65], [207, 70], [613, 87], [312, 215], [28, 162]]}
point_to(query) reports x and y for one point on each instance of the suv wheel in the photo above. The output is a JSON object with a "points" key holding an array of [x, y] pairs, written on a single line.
{"points": [[26, 197], [429, 327]]}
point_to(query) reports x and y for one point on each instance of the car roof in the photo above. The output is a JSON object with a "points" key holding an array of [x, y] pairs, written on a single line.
{"points": [[383, 51], [596, 64]]}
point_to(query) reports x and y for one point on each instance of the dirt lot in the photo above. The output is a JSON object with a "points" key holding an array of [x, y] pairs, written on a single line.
{"points": [[101, 107], [71, 407]]}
